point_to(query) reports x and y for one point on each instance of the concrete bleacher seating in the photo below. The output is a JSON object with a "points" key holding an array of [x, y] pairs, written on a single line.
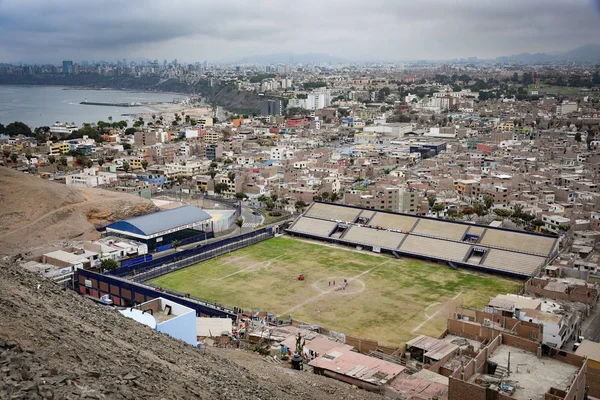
{"points": [[476, 230], [509, 252], [312, 226], [442, 229], [435, 248], [519, 241], [373, 237], [368, 214], [393, 221], [519, 263], [332, 212]]}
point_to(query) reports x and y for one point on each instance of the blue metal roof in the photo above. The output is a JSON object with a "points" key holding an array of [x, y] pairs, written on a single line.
{"points": [[150, 224]]}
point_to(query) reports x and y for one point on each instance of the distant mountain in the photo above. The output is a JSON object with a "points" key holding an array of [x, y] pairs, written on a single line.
{"points": [[588, 52], [290, 58]]}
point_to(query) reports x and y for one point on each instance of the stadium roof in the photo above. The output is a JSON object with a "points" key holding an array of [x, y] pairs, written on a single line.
{"points": [[482, 247], [153, 224]]}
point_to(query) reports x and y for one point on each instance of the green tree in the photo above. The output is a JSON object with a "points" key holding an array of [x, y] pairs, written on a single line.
{"points": [[274, 196], [18, 128], [488, 201], [300, 205], [437, 208], [241, 196], [269, 204], [126, 166], [221, 187], [130, 131], [325, 196], [517, 214], [212, 173], [144, 164], [239, 223], [108, 265], [502, 212], [175, 243], [262, 198], [431, 199], [14, 157], [564, 227], [100, 161], [89, 163], [52, 160], [63, 161], [333, 197], [227, 161], [231, 176], [480, 209]]}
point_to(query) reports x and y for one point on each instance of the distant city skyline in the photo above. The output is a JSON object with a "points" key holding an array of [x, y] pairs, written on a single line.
{"points": [[35, 31]]}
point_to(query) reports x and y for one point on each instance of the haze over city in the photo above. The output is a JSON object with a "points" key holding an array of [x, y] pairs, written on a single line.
{"points": [[393, 30]]}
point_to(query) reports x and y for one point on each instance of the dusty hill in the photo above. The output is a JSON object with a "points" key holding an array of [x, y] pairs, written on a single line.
{"points": [[35, 213], [55, 344]]}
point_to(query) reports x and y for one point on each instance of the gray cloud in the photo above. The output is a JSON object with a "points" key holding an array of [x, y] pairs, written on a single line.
{"points": [[195, 30]]}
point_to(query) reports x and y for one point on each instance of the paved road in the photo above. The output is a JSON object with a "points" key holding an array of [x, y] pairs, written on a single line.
{"points": [[251, 220]]}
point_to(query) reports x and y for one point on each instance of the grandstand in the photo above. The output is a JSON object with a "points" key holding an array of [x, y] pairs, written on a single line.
{"points": [[480, 247]]}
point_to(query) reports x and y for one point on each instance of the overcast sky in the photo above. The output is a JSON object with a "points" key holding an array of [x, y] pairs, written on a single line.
{"points": [[198, 30]]}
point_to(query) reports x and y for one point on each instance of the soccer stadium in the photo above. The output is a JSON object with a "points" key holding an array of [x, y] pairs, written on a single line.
{"points": [[396, 287]]}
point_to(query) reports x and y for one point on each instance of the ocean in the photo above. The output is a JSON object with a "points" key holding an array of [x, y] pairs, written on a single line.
{"points": [[45, 105]]}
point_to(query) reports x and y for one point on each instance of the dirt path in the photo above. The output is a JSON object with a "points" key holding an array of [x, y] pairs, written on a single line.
{"points": [[37, 220]]}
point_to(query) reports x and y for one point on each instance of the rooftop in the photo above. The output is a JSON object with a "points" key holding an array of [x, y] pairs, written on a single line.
{"points": [[151, 224], [359, 366], [530, 375]]}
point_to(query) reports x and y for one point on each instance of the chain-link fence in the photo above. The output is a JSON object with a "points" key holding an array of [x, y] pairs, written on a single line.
{"points": [[228, 246]]}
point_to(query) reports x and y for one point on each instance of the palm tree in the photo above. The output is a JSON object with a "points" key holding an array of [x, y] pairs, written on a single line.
{"points": [[231, 176], [239, 222]]}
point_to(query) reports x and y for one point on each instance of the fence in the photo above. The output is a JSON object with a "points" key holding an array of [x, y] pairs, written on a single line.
{"points": [[143, 271]]}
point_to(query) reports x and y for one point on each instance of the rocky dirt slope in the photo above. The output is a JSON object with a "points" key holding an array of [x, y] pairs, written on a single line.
{"points": [[55, 344], [36, 213]]}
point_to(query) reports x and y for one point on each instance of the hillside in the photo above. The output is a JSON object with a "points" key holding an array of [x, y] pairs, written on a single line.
{"points": [[55, 344], [223, 95], [36, 214]]}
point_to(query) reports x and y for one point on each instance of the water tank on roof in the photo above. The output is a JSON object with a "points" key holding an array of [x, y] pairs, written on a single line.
{"points": [[297, 362]]}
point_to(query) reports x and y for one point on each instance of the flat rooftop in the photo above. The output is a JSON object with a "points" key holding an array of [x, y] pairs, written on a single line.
{"points": [[530, 375]]}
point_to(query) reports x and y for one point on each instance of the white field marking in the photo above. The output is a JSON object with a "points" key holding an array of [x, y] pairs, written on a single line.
{"points": [[241, 270], [434, 314], [431, 305], [235, 259], [343, 292], [311, 299]]}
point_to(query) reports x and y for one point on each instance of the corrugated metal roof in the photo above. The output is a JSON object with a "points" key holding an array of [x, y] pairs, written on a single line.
{"points": [[436, 349], [161, 221], [359, 366]]}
